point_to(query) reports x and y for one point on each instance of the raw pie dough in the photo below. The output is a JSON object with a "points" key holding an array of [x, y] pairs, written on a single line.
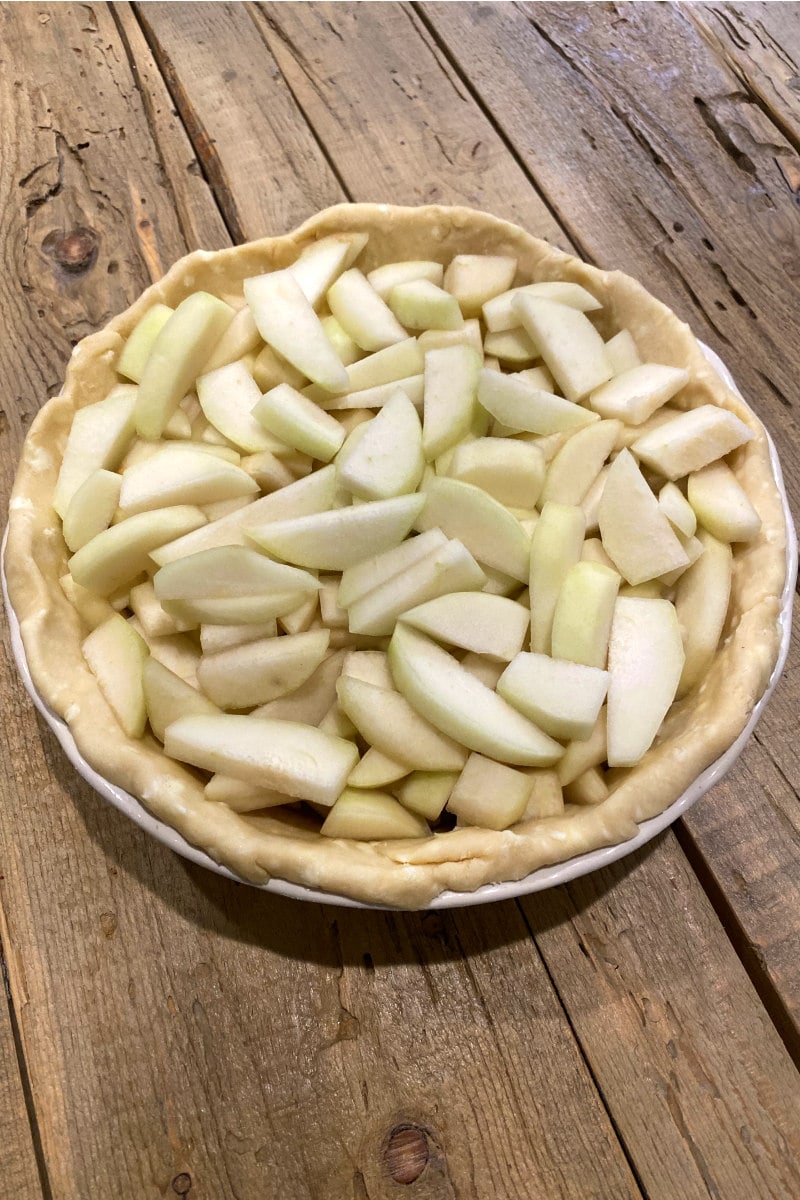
{"points": [[401, 873]]}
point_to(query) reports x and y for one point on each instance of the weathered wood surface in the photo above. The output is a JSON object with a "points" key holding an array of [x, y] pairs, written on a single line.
{"points": [[18, 1169], [186, 1036]]}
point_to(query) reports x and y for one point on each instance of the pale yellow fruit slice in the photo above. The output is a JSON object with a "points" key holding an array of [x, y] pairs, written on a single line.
{"points": [[579, 756], [311, 700], [562, 698], [184, 476], [500, 312], [298, 422], [621, 350], [98, 438], [475, 278], [243, 797], [388, 459], [590, 788], [177, 357], [701, 602], [593, 552], [489, 794], [177, 652], [488, 625], [591, 501], [214, 638], [362, 314], [117, 555], [722, 505], [583, 614], [426, 792], [235, 610], [570, 345], [677, 509], [635, 394], [140, 342], [370, 665], [271, 368], [154, 619], [226, 572], [168, 697], [645, 660], [91, 508], [244, 676], [692, 440], [693, 548], [269, 471], [468, 335], [332, 541], [513, 347], [420, 304], [386, 720], [376, 770], [556, 546], [372, 572], [487, 670], [296, 759], [376, 397], [578, 463], [635, 533], [485, 527], [450, 397], [92, 610], [227, 397], [395, 362], [240, 339], [462, 707], [288, 323], [385, 278], [323, 261], [301, 618], [545, 798], [511, 472], [116, 655], [342, 343], [371, 816], [525, 408]]}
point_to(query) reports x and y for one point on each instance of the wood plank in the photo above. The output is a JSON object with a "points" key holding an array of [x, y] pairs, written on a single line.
{"points": [[18, 1168], [313, 48], [187, 1035]]}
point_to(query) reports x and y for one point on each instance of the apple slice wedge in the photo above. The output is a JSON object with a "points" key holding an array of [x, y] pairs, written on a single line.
{"points": [[91, 508], [692, 440], [225, 572], [556, 546], [386, 720], [568, 342], [450, 396], [583, 614], [321, 262], [227, 397], [485, 527], [635, 394], [677, 509], [622, 352], [579, 756], [288, 323], [383, 279], [522, 406], [562, 698], [239, 339], [394, 362], [462, 707], [512, 347], [332, 541], [476, 278], [117, 555], [578, 463], [488, 625], [422, 305], [297, 421], [365, 576], [645, 660], [500, 312], [244, 676], [721, 504], [243, 797], [388, 459], [140, 342], [173, 476], [214, 638], [376, 770], [299, 760], [511, 472], [235, 610], [426, 792], [702, 597], [489, 794], [98, 438], [342, 343], [313, 699], [362, 314], [635, 533], [371, 816], [370, 665], [116, 655], [168, 697]]}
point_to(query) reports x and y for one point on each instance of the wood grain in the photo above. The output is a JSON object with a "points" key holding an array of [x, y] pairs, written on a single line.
{"points": [[18, 1169]]}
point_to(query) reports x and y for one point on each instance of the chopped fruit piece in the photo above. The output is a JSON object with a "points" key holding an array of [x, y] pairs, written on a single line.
{"points": [[301, 618], [376, 770], [270, 472], [556, 546], [645, 659], [311, 701], [635, 394], [486, 669], [376, 397], [636, 534], [500, 312], [693, 548], [569, 343], [461, 706], [677, 509], [98, 438], [141, 340], [302, 762], [426, 792], [258, 672], [362, 314], [395, 362], [488, 625], [332, 541], [370, 665], [243, 797], [372, 572], [621, 350], [579, 461], [240, 339], [321, 262], [701, 602], [486, 528], [579, 756], [227, 397], [173, 476], [388, 460], [177, 357], [225, 572], [437, 339], [91, 508], [583, 614], [288, 323], [235, 610], [384, 279], [420, 304], [475, 278], [489, 795], [385, 719], [214, 638], [527, 409], [342, 343], [593, 552], [721, 504], [155, 620], [515, 347], [299, 423], [588, 789], [117, 555], [692, 440], [371, 816], [168, 697], [271, 368], [562, 698], [116, 655], [175, 651], [450, 397], [545, 798]]}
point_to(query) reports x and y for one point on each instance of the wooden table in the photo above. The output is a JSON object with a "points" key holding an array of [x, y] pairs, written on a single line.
{"points": [[165, 1032]]}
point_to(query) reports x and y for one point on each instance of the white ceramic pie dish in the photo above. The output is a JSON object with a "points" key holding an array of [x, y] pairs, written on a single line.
{"points": [[538, 880]]}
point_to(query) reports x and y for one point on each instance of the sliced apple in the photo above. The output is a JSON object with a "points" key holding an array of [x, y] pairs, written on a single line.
{"points": [[635, 533], [562, 698], [321, 262], [370, 665], [296, 759], [342, 343], [500, 312], [91, 508], [701, 602], [235, 610], [301, 618], [376, 770], [182, 476], [269, 471], [168, 697], [578, 463], [590, 788], [372, 572], [214, 638], [243, 797], [141, 340], [462, 707], [239, 340], [271, 368], [556, 546], [332, 541], [468, 335], [692, 440], [511, 472], [225, 572], [386, 720], [488, 625], [298, 422], [288, 323], [154, 619], [362, 314], [513, 347], [489, 794], [677, 509], [244, 676], [693, 548], [722, 505], [583, 614], [621, 350], [645, 660], [569, 343], [313, 494], [527, 409], [398, 361], [227, 396], [635, 394], [426, 792], [371, 816], [450, 391], [593, 552], [475, 278], [487, 670], [485, 527], [420, 304], [116, 655], [376, 397], [98, 438], [117, 555], [580, 755], [388, 460], [384, 279]]}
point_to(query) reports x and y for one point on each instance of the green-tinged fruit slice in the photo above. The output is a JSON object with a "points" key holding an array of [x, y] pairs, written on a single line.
{"points": [[386, 720], [116, 655], [168, 697], [371, 816]]}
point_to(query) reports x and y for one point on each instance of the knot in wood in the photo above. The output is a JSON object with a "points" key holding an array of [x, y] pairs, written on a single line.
{"points": [[74, 251], [182, 1184], [406, 1153]]}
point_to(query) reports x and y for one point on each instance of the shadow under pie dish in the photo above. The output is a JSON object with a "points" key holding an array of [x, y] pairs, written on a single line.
{"points": [[284, 843]]}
